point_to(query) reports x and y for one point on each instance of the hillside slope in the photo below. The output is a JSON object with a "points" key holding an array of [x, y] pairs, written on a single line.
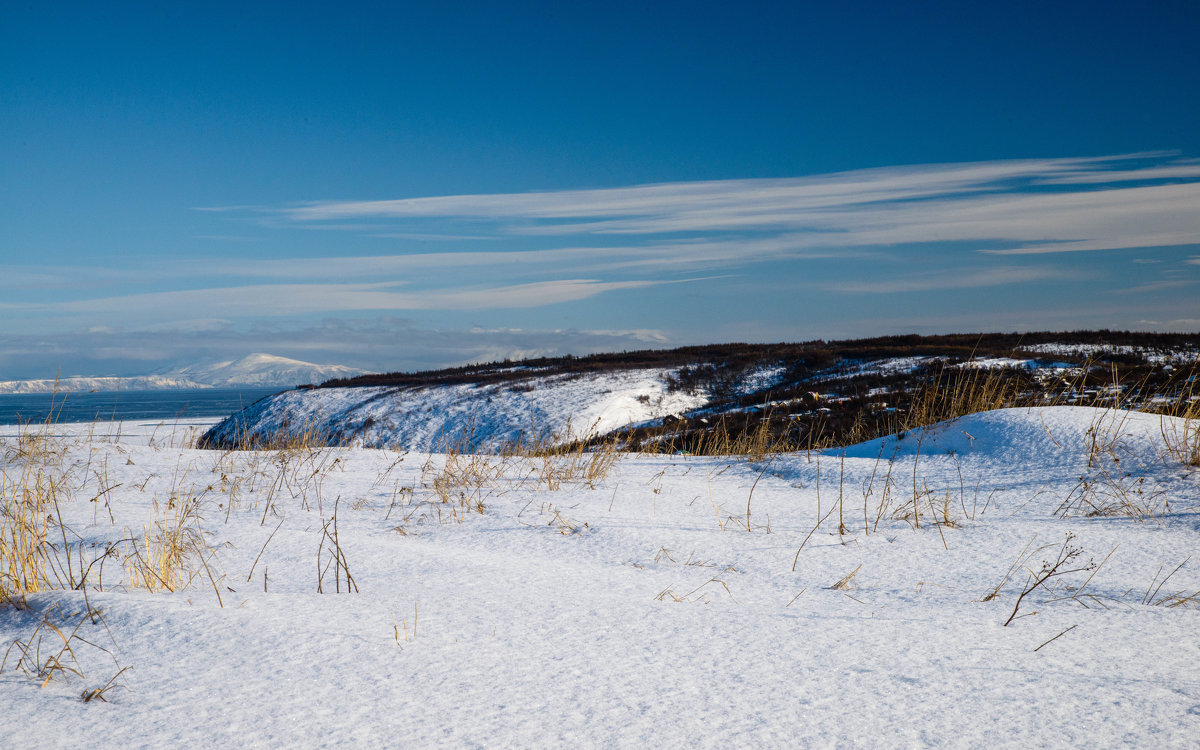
{"points": [[802, 395], [556, 408]]}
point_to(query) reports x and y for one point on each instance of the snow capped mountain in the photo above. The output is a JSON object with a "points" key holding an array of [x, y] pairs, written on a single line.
{"points": [[251, 371], [264, 370]]}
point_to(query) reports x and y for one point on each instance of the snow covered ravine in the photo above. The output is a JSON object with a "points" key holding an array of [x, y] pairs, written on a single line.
{"points": [[662, 601]]}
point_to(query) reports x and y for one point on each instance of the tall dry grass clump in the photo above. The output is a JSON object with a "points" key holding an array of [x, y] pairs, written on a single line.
{"points": [[32, 484], [1181, 435], [957, 392], [721, 440], [1182, 439], [556, 465], [954, 391], [28, 500], [290, 436], [167, 557]]}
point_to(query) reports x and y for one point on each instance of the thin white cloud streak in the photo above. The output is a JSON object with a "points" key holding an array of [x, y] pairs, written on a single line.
{"points": [[672, 254], [1180, 170], [953, 280], [998, 203], [761, 195], [1109, 219], [1147, 240], [1156, 286], [419, 237], [296, 299], [677, 256]]}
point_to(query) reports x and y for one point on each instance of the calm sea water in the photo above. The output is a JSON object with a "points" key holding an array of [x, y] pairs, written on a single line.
{"points": [[158, 405]]}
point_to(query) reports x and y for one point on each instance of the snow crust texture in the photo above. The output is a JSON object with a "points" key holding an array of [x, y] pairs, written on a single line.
{"points": [[831, 599]]}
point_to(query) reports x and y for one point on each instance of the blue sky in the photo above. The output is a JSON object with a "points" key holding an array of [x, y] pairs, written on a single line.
{"points": [[407, 186]]}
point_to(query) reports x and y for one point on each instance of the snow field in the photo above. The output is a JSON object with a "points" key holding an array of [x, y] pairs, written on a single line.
{"points": [[652, 602]]}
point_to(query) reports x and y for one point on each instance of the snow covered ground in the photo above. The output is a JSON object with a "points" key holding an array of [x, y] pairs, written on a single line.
{"points": [[888, 366], [1151, 354], [658, 601]]}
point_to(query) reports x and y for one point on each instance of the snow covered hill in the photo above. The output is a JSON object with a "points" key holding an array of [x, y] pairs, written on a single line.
{"points": [[797, 394], [251, 371], [485, 417]]}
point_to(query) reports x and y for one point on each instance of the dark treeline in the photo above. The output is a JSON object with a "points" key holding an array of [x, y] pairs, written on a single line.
{"points": [[712, 365]]}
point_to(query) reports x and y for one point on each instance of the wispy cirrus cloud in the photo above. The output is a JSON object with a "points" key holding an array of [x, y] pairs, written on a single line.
{"points": [[741, 258], [304, 299], [727, 198], [1006, 207], [1157, 286], [1182, 169], [685, 255], [959, 221], [953, 279]]}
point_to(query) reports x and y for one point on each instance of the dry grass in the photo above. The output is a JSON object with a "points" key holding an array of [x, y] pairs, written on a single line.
{"points": [[848, 582], [1181, 435], [460, 483], [720, 440], [35, 545], [49, 652], [304, 436], [1115, 483], [952, 393], [553, 515], [1155, 597], [1008, 574], [43, 661], [958, 392], [1063, 564], [170, 552], [401, 631], [330, 553], [702, 593], [25, 529]]}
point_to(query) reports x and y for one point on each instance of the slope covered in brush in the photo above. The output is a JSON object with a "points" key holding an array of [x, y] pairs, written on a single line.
{"points": [[699, 399]]}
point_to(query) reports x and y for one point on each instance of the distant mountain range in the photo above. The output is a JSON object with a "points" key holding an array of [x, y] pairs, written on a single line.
{"points": [[251, 371]]}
